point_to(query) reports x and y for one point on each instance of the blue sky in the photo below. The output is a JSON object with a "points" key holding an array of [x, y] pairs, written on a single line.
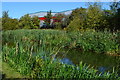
{"points": [[59, 0], [18, 9]]}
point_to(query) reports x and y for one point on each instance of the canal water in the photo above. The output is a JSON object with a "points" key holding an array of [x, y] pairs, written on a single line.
{"points": [[101, 62]]}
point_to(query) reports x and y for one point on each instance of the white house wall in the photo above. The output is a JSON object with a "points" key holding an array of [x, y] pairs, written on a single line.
{"points": [[42, 14]]}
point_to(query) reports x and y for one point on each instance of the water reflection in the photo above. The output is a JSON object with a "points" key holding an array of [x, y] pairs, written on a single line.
{"points": [[69, 62], [66, 61], [100, 62], [102, 69]]}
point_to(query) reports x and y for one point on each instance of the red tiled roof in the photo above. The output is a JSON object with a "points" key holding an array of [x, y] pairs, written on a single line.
{"points": [[43, 18]]}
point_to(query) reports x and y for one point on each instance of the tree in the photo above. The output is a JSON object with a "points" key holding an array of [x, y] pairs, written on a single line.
{"points": [[7, 22], [48, 19], [5, 14], [25, 22], [0, 24], [74, 25], [115, 6], [10, 24], [58, 21], [5, 18], [114, 20], [66, 21], [78, 19], [95, 17], [36, 22]]}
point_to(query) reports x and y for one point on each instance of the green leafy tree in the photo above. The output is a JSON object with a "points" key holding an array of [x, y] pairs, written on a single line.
{"points": [[5, 18], [36, 22], [95, 17], [7, 22], [10, 24], [25, 22], [77, 13], [5, 14], [114, 20], [63, 20], [74, 25], [48, 19], [78, 19], [57, 25], [0, 24], [115, 6], [92, 18]]}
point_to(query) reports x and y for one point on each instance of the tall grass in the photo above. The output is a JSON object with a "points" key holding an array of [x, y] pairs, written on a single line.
{"points": [[32, 52], [100, 42], [42, 65]]}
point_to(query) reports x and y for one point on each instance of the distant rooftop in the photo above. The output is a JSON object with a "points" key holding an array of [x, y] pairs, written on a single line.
{"points": [[44, 13]]}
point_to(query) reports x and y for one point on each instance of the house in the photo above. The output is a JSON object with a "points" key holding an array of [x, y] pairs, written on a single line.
{"points": [[41, 15], [52, 21]]}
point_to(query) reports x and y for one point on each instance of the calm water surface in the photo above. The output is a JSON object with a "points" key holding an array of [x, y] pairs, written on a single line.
{"points": [[100, 62]]}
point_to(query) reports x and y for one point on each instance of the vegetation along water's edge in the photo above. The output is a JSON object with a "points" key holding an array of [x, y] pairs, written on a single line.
{"points": [[34, 52], [83, 44]]}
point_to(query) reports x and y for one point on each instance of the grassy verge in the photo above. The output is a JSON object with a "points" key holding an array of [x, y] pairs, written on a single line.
{"points": [[9, 72]]}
